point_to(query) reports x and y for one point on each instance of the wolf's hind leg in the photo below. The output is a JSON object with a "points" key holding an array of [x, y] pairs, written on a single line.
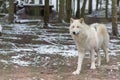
{"points": [[92, 57], [106, 54], [99, 58]]}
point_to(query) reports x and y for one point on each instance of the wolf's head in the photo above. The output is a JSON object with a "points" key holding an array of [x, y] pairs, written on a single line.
{"points": [[76, 26]]}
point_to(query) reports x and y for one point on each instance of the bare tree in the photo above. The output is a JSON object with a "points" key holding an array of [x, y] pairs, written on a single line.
{"points": [[11, 11], [73, 7], [68, 10], [78, 9], [61, 10], [90, 7], [4, 10], [83, 8], [32, 1], [118, 2], [46, 13], [97, 2], [57, 5], [26, 1], [40, 1], [114, 18], [106, 11], [1, 2], [100, 1]]}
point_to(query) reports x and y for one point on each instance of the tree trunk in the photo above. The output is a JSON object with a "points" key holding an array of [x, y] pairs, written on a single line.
{"points": [[61, 10], [118, 2], [46, 13], [4, 10], [106, 11], [11, 11], [73, 7], [40, 1], [90, 7], [97, 2], [32, 1], [68, 10], [78, 9], [57, 5], [26, 1], [1, 2], [83, 8], [100, 4], [114, 18]]}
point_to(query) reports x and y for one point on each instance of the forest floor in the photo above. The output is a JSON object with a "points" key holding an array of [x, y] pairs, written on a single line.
{"points": [[30, 52], [62, 70]]}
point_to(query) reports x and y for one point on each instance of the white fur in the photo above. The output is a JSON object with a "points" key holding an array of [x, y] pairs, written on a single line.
{"points": [[0, 28], [103, 39], [87, 38]]}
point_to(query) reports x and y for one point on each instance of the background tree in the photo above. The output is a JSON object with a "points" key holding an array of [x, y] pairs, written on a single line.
{"points": [[106, 11], [4, 10], [114, 18], [1, 2], [73, 7], [83, 8], [11, 11], [90, 7], [78, 9], [57, 5], [61, 10], [26, 1], [118, 2], [97, 2], [46, 13], [100, 1], [40, 2], [68, 10], [32, 1]]}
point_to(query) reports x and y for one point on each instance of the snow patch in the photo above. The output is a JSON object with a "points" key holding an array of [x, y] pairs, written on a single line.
{"points": [[114, 40], [65, 50], [17, 60], [27, 21], [0, 28], [4, 61], [20, 62], [22, 49]]}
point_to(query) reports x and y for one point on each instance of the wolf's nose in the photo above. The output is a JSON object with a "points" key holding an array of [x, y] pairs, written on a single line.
{"points": [[74, 33]]}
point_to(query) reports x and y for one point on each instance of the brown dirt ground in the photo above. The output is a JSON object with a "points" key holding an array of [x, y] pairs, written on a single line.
{"points": [[61, 71]]}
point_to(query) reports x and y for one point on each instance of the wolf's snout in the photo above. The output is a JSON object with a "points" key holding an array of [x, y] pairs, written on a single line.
{"points": [[74, 33]]}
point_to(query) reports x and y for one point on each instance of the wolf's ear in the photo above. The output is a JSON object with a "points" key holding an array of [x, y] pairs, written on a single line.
{"points": [[81, 20], [71, 20]]}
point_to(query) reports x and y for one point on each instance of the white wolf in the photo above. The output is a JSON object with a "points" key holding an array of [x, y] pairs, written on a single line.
{"points": [[89, 38]]}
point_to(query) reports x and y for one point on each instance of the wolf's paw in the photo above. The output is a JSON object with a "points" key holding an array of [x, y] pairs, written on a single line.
{"points": [[107, 60], [92, 67], [98, 65], [76, 72]]}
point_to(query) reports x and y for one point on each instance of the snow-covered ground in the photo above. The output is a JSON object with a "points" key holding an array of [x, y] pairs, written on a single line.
{"points": [[32, 40]]}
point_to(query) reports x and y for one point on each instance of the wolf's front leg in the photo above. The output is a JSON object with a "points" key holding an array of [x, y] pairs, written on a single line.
{"points": [[80, 60], [92, 56]]}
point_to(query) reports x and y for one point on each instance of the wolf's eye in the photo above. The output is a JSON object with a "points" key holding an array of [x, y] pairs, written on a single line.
{"points": [[77, 26], [72, 26]]}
